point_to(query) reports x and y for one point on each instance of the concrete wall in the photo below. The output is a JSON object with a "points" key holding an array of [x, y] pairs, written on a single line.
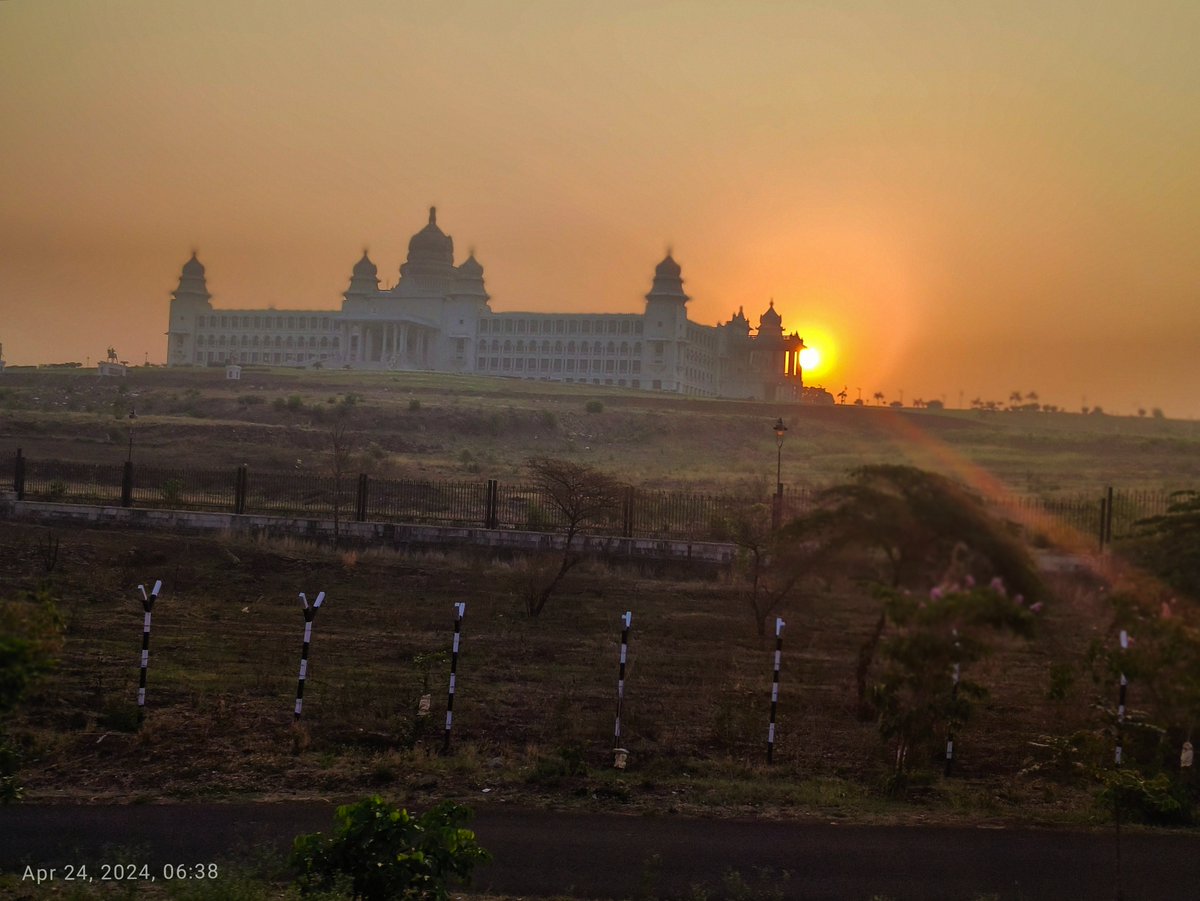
{"points": [[358, 533]]}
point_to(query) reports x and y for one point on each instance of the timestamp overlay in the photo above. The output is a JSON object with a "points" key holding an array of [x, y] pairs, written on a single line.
{"points": [[99, 871]]}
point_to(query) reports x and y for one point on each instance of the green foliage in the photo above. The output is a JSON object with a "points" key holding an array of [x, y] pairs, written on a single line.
{"points": [[918, 520], [913, 693], [389, 854], [594, 406], [172, 490], [1169, 545], [414, 405], [30, 639], [1154, 799]]}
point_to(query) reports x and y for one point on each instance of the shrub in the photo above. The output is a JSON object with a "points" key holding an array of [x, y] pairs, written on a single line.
{"points": [[414, 405], [172, 491], [594, 406], [387, 853]]}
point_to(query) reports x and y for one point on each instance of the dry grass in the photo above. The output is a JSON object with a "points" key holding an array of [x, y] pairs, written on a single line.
{"points": [[438, 426]]}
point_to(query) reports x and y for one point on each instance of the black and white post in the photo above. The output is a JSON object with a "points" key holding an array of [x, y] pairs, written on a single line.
{"points": [[955, 674], [779, 624], [620, 755], [309, 614], [1124, 685], [148, 607], [459, 611]]}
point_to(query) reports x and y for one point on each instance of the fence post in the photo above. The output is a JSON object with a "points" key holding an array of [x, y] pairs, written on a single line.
{"points": [[490, 517], [360, 499], [1108, 521], [627, 513], [1103, 517], [127, 485], [239, 491], [19, 476]]}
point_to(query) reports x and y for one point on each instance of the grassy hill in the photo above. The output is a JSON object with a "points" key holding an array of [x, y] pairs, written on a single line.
{"points": [[441, 426]]}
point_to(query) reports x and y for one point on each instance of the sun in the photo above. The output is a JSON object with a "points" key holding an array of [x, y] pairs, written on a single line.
{"points": [[810, 360]]}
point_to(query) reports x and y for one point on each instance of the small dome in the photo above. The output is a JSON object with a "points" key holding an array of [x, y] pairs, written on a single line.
{"points": [[770, 318], [471, 268], [667, 284], [668, 268], [365, 267], [193, 267]]}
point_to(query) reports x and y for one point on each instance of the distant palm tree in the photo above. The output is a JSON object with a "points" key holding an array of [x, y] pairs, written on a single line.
{"points": [[842, 395], [1032, 395], [878, 395], [1015, 397]]}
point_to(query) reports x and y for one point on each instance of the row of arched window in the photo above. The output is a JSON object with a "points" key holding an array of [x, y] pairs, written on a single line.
{"points": [[624, 325], [596, 348], [271, 322], [312, 341]]}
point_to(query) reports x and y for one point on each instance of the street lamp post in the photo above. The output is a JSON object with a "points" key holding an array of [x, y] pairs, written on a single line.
{"points": [[127, 477], [132, 417], [777, 506]]}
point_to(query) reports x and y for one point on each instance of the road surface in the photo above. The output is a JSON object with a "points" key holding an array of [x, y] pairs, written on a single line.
{"points": [[588, 855]]}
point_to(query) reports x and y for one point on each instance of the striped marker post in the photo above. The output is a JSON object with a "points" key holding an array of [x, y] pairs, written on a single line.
{"points": [[779, 624], [459, 611], [620, 753], [955, 674], [1121, 691], [1124, 685], [310, 614], [148, 606]]}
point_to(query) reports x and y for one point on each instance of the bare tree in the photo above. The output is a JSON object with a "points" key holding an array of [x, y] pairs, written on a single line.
{"points": [[582, 496], [778, 563]]}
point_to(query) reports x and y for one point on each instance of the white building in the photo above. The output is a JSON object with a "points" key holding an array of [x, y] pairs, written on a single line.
{"points": [[438, 318]]}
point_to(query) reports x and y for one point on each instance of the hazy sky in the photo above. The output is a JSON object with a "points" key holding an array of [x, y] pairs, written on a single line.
{"points": [[943, 197]]}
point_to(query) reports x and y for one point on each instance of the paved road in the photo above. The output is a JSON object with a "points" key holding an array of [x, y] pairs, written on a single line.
{"points": [[613, 856]]}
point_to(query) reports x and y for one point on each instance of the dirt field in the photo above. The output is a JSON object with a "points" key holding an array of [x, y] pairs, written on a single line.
{"points": [[536, 698]]}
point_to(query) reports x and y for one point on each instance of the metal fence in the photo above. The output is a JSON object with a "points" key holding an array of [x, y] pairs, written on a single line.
{"points": [[641, 513]]}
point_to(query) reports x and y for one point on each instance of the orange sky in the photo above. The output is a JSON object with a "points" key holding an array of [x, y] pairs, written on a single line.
{"points": [[957, 197]]}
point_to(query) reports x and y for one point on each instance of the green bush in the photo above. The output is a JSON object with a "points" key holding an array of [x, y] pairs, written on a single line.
{"points": [[387, 853], [594, 406], [172, 491], [1143, 799]]}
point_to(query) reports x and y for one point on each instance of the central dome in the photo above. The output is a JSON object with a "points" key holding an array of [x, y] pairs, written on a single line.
{"points": [[431, 243]]}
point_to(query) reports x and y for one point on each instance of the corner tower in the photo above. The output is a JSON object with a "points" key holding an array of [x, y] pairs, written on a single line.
{"points": [[189, 302], [665, 325]]}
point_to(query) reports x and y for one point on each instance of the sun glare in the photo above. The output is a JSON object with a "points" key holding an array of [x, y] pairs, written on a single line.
{"points": [[810, 359]]}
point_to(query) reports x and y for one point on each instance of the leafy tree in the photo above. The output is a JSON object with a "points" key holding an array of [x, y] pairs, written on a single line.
{"points": [[385, 853], [1162, 664], [914, 523], [583, 496], [913, 693], [1169, 544]]}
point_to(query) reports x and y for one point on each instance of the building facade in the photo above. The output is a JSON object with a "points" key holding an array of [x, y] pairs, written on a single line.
{"points": [[438, 318]]}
